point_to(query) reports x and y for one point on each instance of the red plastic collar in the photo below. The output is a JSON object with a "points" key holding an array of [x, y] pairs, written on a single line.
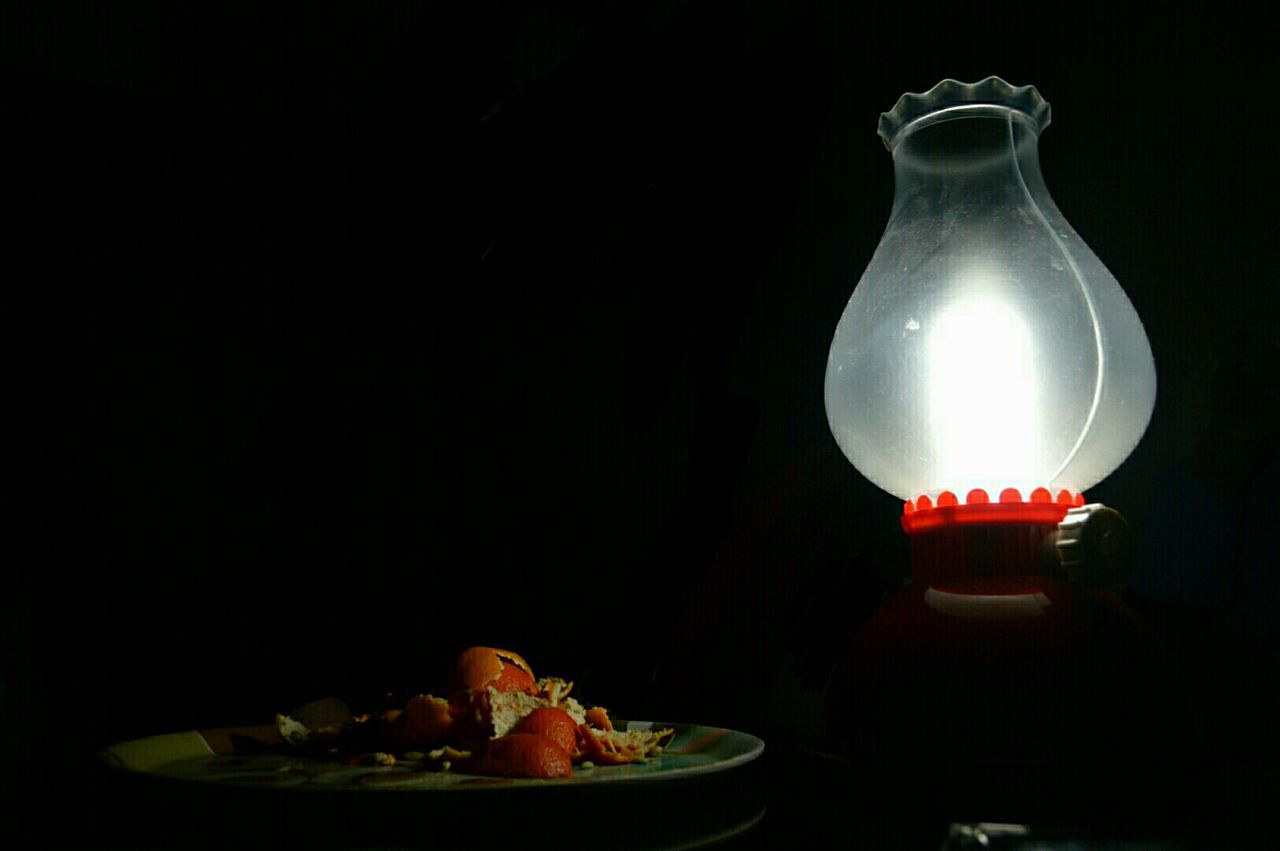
{"points": [[978, 508]]}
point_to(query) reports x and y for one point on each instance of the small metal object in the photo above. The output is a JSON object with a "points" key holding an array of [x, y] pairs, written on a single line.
{"points": [[980, 835], [1093, 545]]}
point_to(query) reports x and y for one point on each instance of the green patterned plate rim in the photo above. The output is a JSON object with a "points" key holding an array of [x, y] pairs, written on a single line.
{"points": [[232, 756]]}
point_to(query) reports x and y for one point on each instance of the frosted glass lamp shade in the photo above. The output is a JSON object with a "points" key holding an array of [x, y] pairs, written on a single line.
{"points": [[985, 345]]}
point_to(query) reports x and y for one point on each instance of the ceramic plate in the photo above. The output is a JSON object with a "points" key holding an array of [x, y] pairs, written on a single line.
{"points": [[234, 755]]}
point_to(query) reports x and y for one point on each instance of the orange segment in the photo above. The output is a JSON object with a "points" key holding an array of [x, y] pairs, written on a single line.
{"points": [[552, 722], [524, 755]]}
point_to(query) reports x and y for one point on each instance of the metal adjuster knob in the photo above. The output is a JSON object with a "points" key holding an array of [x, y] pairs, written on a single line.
{"points": [[1092, 545]]}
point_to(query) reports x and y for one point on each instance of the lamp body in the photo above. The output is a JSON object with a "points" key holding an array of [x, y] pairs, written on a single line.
{"points": [[986, 370], [989, 657]]}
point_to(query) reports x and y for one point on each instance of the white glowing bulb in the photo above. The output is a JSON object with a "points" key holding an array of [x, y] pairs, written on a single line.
{"points": [[985, 346], [983, 420]]}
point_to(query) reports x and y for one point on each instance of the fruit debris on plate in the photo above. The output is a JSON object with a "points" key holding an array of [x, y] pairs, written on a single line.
{"points": [[498, 719]]}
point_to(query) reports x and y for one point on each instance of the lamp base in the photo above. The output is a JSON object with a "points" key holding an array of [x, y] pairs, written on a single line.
{"points": [[989, 656]]}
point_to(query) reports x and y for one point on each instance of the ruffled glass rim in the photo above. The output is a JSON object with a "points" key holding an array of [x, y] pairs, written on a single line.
{"points": [[951, 94]]}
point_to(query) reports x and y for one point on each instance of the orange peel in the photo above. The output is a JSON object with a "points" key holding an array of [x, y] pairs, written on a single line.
{"points": [[479, 667], [598, 717]]}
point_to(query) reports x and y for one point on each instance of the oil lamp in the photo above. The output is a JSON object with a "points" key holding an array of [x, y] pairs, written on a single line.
{"points": [[986, 371]]}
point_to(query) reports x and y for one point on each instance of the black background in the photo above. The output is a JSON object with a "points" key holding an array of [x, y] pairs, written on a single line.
{"points": [[338, 338]]}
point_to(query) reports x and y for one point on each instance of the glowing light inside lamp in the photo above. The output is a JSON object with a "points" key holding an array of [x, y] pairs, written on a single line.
{"points": [[982, 397]]}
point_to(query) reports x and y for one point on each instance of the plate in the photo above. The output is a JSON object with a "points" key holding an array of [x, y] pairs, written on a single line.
{"points": [[237, 756]]}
